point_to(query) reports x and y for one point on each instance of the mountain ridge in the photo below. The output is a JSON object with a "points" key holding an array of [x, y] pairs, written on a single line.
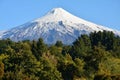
{"points": [[57, 24]]}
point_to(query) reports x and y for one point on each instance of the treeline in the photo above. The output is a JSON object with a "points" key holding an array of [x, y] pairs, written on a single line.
{"points": [[90, 57]]}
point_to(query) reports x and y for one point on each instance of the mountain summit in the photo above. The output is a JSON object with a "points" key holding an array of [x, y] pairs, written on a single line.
{"points": [[57, 24]]}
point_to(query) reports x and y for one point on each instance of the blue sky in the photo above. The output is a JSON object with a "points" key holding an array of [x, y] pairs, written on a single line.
{"points": [[17, 12]]}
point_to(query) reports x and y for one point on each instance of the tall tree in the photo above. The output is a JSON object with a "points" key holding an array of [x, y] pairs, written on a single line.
{"points": [[81, 47], [38, 48]]}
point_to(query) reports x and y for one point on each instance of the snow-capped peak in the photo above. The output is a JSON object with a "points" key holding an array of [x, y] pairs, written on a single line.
{"points": [[59, 14], [57, 11], [57, 24]]}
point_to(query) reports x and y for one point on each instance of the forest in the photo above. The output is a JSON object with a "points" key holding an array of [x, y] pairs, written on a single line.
{"points": [[90, 57]]}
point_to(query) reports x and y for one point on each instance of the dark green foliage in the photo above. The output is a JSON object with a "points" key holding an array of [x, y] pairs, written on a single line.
{"points": [[106, 38], [66, 49], [90, 57], [41, 46], [59, 44], [80, 47], [67, 67], [54, 50], [38, 48]]}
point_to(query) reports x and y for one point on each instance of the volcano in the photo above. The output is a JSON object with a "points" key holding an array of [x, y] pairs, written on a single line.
{"points": [[57, 24]]}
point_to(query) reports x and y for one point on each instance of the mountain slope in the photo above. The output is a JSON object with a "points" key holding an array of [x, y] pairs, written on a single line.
{"points": [[57, 24], [1, 33]]}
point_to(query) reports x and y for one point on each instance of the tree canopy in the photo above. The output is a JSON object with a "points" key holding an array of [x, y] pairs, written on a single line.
{"points": [[91, 57]]}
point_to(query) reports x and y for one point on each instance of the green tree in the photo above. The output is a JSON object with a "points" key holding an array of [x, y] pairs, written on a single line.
{"points": [[81, 47], [38, 48], [41, 48], [21, 60], [59, 44], [106, 38], [1, 69], [48, 70], [67, 67], [34, 49], [80, 67]]}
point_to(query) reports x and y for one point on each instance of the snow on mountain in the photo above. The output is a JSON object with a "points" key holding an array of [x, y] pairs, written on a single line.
{"points": [[1, 33], [57, 24]]}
